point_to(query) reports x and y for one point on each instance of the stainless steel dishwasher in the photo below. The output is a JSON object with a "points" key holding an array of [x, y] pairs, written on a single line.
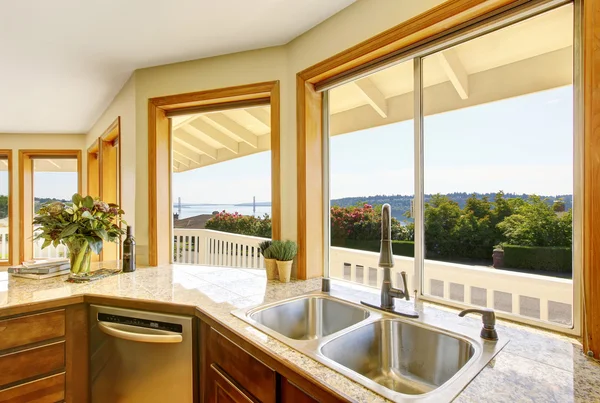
{"points": [[139, 356]]}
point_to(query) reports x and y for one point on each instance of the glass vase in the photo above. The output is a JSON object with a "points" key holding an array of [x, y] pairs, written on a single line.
{"points": [[80, 255]]}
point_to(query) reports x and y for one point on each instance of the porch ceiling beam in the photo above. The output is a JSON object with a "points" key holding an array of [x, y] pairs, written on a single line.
{"points": [[186, 159], [192, 142], [53, 163], [455, 71], [215, 134], [187, 152], [235, 128], [184, 122], [373, 96], [260, 114], [180, 160]]}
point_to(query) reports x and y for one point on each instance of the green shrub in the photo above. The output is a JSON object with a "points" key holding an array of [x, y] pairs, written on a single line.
{"points": [[399, 248], [547, 258]]}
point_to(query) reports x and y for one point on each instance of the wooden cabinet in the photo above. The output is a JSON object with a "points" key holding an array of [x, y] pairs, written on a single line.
{"points": [[232, 374], [222, 389], [290, 393], [45, 390], [43, 356], [232, 368]]}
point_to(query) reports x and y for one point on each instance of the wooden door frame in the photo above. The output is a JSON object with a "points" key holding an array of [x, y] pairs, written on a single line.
{"points": [[11, 222], [105, 143], [26, 193], [160, 164], [446, 18], [93, 172]]}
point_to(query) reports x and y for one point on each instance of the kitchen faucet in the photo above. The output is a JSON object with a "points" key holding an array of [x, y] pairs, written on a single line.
{"points": [[386, 262]]}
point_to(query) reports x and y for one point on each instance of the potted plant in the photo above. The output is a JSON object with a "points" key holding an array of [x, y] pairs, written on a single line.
{"points": [[82, 226], [270, 262], [284, 252]]}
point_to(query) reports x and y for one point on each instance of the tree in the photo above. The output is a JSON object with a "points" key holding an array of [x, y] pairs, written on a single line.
{"points": [[3, 206], [441, 218], [536, 224]]}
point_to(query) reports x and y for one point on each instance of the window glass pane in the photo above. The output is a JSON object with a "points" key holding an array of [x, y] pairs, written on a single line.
{"points": [[4, 200], [53, 179], [498, 149], [222, 187], [371, 163]]}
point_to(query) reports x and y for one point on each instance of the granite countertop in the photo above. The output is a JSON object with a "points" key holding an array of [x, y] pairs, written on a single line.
{"points": [[535, 366]]}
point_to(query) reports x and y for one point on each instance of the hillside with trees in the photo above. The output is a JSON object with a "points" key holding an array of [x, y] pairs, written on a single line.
{"points": [[401, 203]]}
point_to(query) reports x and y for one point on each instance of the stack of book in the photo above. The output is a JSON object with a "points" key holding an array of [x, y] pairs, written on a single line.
{"points": [[41, 269]]}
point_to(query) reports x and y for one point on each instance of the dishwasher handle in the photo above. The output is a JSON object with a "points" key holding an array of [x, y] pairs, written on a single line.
{"points": [[111, 330]]}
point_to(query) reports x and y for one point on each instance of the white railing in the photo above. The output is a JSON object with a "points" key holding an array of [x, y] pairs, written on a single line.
{"points": [[49, 251], [534, 296], [4, 247], [38, 252], [215, 248]]}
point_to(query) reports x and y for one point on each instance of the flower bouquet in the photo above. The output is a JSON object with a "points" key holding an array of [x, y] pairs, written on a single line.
{"points": [[82, 226]]}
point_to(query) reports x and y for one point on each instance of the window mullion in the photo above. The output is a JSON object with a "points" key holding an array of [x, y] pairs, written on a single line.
{"points": [[418, 204]]}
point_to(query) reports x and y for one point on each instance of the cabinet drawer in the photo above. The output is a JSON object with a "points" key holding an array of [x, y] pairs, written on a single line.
{"points": [[29, 329], [247, 371], [32, 362], [46, 390]]}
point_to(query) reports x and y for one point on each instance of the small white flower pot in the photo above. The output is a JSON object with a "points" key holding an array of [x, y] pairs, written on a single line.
{"points": [[285, 270], [271, 266]]}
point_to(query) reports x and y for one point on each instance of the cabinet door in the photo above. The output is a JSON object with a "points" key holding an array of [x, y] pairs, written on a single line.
{"points": [[222, 390], [290, 393]]}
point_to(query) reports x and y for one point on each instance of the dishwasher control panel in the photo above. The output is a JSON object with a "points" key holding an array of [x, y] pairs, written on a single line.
{"points": [[150, 324]]}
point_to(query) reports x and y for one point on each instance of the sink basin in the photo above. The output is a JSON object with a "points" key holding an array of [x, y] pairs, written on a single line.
{"points": [[309, 317], [428, 360], [400, 356]]}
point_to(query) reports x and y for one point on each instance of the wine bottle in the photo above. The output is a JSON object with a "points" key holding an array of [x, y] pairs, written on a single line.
{"points": [[129, 252]]}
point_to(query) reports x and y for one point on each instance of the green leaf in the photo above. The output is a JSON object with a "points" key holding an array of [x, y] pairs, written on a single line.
{"points": [[95, 244], [88, 215], [69, 230], [47, 243], [101, 233], [88, 202], [76, 199]]}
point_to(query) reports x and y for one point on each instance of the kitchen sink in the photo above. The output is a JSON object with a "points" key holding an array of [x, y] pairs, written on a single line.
{"points": [[400, 356], [429, 359], [309, 317]]}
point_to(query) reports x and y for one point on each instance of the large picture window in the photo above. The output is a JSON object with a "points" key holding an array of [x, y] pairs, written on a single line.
{"points": [[44, 175], [481, 189]]}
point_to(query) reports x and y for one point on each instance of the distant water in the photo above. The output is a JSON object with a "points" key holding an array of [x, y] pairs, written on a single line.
{"points": [[197, 209]]}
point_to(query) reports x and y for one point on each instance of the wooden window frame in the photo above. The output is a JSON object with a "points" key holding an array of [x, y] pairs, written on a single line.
{"points": [[446, 19], [108, 159], [26, 193], [11, 222], [93, 169], [443, 19], [159, 156]]}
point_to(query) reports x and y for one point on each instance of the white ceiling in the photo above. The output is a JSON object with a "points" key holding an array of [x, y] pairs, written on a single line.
{"points": [[62, 61]]}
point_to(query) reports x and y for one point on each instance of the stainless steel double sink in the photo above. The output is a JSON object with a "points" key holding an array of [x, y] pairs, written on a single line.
{"points": [[402, 359]]}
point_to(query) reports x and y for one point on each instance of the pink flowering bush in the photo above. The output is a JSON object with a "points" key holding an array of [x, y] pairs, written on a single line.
{"points": [[362, 223], [240, 224]]}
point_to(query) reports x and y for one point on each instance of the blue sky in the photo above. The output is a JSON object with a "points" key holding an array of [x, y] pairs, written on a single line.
{"points": [[521, 145]]}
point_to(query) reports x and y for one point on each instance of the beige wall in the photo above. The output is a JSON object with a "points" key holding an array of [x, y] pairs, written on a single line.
{"points": [[356, 23], [17, 142]]}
